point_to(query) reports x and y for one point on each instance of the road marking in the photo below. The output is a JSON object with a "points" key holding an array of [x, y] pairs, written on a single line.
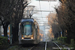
{"points": [[45, 45]]}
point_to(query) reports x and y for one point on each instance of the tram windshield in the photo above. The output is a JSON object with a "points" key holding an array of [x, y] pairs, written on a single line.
{"points": [[26, 29]]}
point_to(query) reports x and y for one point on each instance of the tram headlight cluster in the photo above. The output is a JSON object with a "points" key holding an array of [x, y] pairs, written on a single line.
{"points": [[27, 37], [22, 37], [31, 37]]}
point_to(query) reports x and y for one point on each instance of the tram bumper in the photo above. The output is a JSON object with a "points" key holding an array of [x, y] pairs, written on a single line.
{"points": [[28, 41]]}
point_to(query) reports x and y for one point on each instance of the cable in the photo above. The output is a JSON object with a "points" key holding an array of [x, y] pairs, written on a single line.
{"points": [[49, 4], [40, 10]]}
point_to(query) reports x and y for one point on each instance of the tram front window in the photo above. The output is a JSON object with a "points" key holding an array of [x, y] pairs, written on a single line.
{"points": [[26, 29]]}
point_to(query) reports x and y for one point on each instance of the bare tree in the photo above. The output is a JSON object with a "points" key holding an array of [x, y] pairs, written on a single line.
{"points": [[11, 11], [66, 17], [54, 26]]}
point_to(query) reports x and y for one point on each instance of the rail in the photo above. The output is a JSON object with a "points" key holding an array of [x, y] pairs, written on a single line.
{"points": [[31, 48], [45, 45], [57, 45]]}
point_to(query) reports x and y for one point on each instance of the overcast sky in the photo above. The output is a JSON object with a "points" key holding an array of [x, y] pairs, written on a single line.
{"points": [[44, 5]]}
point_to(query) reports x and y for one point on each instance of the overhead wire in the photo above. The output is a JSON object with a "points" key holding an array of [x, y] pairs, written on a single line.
{"points": [[49, 4], [40, 10]]}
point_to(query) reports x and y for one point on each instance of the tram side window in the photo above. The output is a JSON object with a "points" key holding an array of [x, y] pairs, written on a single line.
{"points": [[22, 28], [36, 30], [33, 29]]}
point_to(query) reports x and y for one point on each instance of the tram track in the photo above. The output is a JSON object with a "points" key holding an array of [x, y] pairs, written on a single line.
{"points": [[45, 45], [31, 48], [63, 47], [21, 47], [57, 45], [27, 47], [40, 46]]}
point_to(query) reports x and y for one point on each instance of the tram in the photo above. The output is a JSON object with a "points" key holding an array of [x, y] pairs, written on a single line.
{"points": [[28, 31]]}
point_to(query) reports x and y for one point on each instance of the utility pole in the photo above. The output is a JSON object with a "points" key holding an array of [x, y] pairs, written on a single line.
{"points": [[61, 33], [10, 33]]}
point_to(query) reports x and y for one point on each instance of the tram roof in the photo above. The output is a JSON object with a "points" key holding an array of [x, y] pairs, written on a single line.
{"points": [[24, 20]]}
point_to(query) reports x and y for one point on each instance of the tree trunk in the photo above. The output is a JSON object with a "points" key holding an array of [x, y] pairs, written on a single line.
{"points": [[0, 30], [15, 33], [68, 36], [5, 26], [5, 30]]}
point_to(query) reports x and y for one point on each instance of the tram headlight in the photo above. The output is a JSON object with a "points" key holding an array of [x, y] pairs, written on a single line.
{"points": [[31, 37], [22, 37]]}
